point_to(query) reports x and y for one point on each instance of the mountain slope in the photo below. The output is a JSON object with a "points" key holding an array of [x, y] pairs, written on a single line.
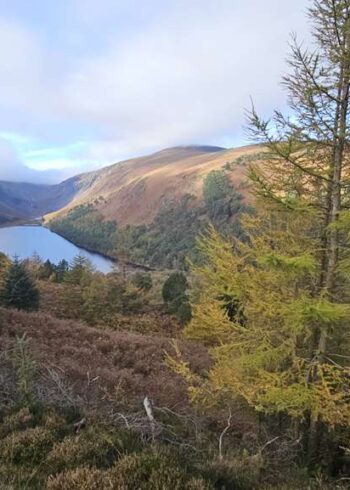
{"points": [[133, 192], [28, 201]]}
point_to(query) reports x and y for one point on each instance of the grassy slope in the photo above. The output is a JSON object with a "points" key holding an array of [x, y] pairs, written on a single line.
{"points": [[134, 191]]}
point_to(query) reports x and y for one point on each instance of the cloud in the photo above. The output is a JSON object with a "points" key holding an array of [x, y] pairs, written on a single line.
{"points": [[10, 166], [188, 78], [130, 77], [13, 169]]}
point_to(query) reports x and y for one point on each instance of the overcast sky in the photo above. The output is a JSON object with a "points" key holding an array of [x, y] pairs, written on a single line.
{"points": [[85, 83]]}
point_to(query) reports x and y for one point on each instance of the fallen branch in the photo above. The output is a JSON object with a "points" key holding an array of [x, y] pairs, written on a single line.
{"points": [[223, 434]]}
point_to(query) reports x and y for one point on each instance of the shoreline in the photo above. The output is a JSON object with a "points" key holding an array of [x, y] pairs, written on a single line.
{"points": [[20, 222], [40, 222], [115, 260]]}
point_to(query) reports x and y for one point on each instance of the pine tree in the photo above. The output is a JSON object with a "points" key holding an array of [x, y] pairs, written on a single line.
{"points": [[61, 270], [80, 271], [285, 347], [175, 296], [19, 291], [4, 265], [46, 270]]}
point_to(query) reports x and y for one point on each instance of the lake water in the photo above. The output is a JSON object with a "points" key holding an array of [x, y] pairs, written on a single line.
{"points": [[24, 241]]}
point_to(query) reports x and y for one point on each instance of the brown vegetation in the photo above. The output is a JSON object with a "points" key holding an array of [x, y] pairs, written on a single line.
{"points": [[130, 363]]}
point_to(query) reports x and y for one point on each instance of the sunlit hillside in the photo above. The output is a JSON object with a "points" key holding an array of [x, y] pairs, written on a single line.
{"points": [[133, 192]]}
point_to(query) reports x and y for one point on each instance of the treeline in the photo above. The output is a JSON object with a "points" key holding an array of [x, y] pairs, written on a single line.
{"points": [[171, 237]]}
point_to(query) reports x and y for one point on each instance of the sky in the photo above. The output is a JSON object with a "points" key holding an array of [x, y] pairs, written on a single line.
{"points": [[86, 83]]}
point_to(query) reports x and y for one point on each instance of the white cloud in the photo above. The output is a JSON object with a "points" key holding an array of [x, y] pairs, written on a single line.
{"points": [[13, 169], [21, 66], [158, 74], [189, 78]]}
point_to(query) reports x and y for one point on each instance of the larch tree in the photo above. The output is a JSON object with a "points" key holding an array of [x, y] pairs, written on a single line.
{"points": [[283, 345]]}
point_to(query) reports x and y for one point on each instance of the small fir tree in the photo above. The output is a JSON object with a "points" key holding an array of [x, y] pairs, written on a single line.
{"points": [[80, 271], [61, 270], [19, 290]]}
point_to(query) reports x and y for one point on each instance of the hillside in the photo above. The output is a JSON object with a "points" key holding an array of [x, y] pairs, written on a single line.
{"points": [[133, 192], [150, 210], [78, 351], [23, 201]]}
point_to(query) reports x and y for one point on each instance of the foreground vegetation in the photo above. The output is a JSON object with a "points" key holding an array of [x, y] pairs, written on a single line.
{"points": [[72, 416]]}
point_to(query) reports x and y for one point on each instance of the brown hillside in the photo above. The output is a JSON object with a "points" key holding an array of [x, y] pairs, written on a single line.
{"points": [[133, 363], [132, 192]]}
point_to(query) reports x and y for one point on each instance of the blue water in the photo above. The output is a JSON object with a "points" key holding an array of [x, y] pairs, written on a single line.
{"points": [[24, 241]]}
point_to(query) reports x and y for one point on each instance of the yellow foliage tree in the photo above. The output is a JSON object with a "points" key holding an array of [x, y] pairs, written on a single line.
{"points": [[257, 310], [275, 310]]}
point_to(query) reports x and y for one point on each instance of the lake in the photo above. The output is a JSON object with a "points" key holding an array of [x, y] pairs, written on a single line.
{"points": [[24, 241]]}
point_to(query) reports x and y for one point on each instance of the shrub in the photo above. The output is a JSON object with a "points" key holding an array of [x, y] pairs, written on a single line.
{"points": [[81, 479], [21, 420], [13, 477], [94, 447], [121, 478], [142, 281], [239, 473], [29, 446], [154, 470]]}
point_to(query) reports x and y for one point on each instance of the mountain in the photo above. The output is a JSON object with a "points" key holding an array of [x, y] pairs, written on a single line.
{"points": [[23, 201], [132, 192]]}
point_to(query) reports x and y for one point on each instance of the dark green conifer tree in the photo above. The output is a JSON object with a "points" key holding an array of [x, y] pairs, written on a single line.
{"points": [[61, 270], [19, 290], [80, 271], [175, 297]]}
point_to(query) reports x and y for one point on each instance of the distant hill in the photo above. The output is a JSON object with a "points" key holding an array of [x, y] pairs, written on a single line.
{"points": [[21, 201], [132, 192]]}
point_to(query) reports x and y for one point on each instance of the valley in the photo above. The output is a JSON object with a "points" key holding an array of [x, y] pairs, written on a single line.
{"points": [[25, 202], [130, 192], [135, 210]]}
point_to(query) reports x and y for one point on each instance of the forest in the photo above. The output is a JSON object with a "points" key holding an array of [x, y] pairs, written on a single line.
{"points": [[230, 371]]}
